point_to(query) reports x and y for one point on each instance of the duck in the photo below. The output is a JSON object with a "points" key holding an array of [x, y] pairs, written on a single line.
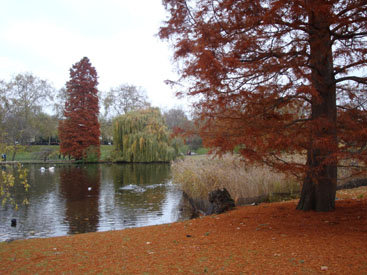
{"points": [[42, 169], [51, 169]]}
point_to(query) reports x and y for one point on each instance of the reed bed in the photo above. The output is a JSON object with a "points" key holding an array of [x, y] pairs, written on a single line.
{"points": [[197, 176]]}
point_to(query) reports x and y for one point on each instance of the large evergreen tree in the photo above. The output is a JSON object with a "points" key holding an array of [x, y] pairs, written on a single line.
{"points": [[79, 132], [279, 78]]}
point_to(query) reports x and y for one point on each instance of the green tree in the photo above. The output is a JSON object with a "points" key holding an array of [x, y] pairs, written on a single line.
{"points": [[142, 136], [22, 99], [46, 126]]}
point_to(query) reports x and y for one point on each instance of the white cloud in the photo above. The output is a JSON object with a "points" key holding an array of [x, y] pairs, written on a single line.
{"points": [[117, 36]]}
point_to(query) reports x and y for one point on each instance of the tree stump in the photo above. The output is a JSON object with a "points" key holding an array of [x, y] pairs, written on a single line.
{"points": [[221, 201]]}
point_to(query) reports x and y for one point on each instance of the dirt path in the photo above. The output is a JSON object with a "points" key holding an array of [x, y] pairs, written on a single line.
{"points": [[265, 239]]}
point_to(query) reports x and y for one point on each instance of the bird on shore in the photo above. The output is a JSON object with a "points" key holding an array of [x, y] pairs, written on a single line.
{"points": [[51, 169], [42, 169]]}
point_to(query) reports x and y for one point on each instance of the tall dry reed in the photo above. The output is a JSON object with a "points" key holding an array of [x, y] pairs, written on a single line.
{"points": [[199, 175]]}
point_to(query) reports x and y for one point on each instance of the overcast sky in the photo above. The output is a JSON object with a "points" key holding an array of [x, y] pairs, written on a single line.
{"points": [[46, 37]]}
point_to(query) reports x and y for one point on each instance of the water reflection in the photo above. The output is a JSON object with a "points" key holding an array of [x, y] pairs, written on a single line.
{"points": [[87, 198], [139, 190], [141, 186], [79, 186]]}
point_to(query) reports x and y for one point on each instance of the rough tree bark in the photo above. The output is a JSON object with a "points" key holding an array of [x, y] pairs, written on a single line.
{"points": [[319, 187]]}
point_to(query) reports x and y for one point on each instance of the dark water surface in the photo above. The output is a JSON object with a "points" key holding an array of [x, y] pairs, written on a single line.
{"points": [[71, 199]]}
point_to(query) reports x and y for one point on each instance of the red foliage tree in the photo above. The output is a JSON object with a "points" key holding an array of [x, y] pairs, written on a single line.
{"points": [[79, 132], [278, 78]]}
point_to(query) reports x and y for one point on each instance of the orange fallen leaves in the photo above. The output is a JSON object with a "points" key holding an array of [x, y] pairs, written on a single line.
{"points": [[267, 239]]}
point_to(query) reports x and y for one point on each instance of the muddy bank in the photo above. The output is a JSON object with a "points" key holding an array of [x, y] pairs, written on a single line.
{"points": [[199, 207]]}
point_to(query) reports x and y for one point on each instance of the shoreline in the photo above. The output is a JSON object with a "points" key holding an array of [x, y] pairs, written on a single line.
{"points": [[267, 238], [74, 162]]}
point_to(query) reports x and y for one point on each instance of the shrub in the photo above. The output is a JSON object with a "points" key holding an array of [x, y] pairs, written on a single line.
{"points": [[91, 154]]}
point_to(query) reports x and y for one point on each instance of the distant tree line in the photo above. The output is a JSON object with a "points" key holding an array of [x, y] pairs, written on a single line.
{"points": [[31, 109]]}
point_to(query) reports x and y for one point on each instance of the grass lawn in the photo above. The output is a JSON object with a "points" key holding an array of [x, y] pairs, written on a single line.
{"points": [[38, 153]]}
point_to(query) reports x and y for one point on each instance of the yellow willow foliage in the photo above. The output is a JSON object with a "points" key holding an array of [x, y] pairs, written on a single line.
{"points": [[141, 142], [142, 136], [9, 178]]}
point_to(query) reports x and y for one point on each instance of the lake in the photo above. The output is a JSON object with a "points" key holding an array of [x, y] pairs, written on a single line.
{"points": [[71, 199]]}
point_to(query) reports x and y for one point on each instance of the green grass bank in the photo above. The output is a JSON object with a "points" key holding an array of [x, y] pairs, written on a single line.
{"points": [[50, 153]]}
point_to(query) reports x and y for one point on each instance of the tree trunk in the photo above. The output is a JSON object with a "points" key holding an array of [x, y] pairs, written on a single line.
{"points": [[319, 186], [14, 153]]}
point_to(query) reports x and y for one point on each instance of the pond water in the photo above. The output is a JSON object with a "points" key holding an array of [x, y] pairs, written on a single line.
{"points": [[71, 199]]}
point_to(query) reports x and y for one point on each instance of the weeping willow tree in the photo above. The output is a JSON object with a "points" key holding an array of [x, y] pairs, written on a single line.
{"points": [[142, 136]]}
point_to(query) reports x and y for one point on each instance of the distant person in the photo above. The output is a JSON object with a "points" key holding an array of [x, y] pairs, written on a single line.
{"points": [[3, 156]]}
